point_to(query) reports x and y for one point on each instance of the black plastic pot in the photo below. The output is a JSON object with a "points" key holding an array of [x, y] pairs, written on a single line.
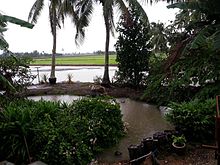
{"points": [[179, 150], [52, 80], [148, 144]]}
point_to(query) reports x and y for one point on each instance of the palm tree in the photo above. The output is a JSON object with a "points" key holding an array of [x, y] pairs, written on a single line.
{"points": [[54, 7], [57, 10], [107, 7], [159, 37]]}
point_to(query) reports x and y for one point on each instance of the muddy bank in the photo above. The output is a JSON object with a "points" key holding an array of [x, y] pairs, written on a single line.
{"points": [[80, 89]]}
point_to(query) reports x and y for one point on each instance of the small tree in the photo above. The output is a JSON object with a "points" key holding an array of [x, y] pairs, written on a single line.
{"points": [[133, 49]]}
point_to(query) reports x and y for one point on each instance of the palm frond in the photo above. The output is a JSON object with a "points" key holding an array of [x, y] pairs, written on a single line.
{"points": [[35, 11], [84, 12], [192, 5], [139, 8], [216, 43], [211, 8], [201, 38]]}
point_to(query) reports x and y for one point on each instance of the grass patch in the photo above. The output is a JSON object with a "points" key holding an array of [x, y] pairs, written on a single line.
{"points": [[78, 60]]}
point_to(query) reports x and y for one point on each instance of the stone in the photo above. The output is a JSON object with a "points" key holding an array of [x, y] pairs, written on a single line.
{"points": [[38, 163], [6, 163]]}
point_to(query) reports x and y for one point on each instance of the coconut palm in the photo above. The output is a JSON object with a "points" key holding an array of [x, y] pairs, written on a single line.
{"points": [[108, 14], [57, 10], [34, 14]]}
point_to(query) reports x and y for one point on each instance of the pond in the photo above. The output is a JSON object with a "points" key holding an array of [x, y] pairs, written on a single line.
{"points": [[143, 121], [79, 73]]}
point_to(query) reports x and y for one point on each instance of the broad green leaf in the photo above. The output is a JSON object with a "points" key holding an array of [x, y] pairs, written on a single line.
{"points": [[3, 43], [6, 83], [185, 5], [6, 18], [201, 38], [216, 40], [2, 29]]}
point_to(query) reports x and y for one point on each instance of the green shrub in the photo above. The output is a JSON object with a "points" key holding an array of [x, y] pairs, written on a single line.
{"points": [[195, 119], [104, 119], [58, 133]]}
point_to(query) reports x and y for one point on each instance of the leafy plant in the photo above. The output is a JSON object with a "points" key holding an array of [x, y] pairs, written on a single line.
{"points": [[69, 78], [179, 140], [196, 119], [97, 79], [44, 78], [16, 71], [4, 19], [57, 133]]}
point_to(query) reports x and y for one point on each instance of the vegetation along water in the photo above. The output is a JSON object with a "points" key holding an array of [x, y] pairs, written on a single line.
{"points": [[186, 79]]}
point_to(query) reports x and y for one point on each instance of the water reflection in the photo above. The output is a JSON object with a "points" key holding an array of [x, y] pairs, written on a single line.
{"points": [[143, 120], [80, 73]]}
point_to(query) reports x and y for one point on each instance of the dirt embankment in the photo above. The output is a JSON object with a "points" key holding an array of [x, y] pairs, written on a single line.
{"points": [[81, 89]]}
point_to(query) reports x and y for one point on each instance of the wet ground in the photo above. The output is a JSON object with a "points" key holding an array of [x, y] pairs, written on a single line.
{"points": [[196, 155]]}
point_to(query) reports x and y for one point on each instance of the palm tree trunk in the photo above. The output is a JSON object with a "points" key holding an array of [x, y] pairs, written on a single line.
{"points": [[52, 78], [106, 80]]}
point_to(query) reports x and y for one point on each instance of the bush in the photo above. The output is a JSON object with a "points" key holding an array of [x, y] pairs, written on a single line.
{"points": [[195, 119], [16, 71], [58, 133]]}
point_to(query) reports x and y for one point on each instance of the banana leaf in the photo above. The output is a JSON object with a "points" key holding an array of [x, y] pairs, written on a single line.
{"points": [[5, 83], [6, 18], [3, 43]]}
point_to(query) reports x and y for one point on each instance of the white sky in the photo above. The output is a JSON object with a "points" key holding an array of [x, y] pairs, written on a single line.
{"points": [[39, 38]]}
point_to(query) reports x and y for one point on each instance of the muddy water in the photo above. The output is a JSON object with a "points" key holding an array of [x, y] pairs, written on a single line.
{"points": [[142, 119]]}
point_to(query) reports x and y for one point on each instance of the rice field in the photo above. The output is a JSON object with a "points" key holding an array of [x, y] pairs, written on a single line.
{"points": [[76, 60]]}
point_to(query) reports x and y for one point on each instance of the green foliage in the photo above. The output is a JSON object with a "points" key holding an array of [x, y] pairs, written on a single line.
{"points": [[179, 140], [196, 119], [97, 79], [4, 19], [133, 50], [44, 79], [69, 78], [159, 37], [104, 119], [192, 69], [57, 133], [15, 70]]}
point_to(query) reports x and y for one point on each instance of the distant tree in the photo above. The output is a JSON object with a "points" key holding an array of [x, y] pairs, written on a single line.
{"points": [[133, 49], [159, 37]]}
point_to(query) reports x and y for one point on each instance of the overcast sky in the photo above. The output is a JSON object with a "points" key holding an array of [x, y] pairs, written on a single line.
{"points": [[39, 38]]}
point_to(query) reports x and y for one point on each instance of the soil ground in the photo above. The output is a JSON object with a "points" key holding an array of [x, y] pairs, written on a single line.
{"points": [[195, 155]]}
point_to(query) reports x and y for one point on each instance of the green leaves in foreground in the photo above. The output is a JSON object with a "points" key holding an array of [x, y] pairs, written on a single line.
{"points": [[195, 119], [4, 19], [57, 133]]}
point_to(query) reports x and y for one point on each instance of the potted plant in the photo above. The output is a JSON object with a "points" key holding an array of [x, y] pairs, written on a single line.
{"points": [[179, 144]]}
